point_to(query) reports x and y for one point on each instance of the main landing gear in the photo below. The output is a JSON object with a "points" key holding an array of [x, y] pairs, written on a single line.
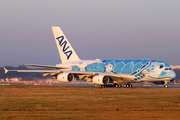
{"points": [[115, 85], [111, 85], [128, 85]]}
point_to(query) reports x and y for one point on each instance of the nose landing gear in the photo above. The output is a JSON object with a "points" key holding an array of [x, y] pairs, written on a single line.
{"points": [[165, 84]]}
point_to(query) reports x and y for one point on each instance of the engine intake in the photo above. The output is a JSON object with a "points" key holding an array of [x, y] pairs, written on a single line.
{"points": [[100, 79], [65, 77]]}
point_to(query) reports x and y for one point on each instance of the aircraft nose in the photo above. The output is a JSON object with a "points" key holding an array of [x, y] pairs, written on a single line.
{"points": [[172, 74]]}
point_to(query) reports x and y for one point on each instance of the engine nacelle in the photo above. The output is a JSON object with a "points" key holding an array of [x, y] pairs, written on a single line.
{"points": [[100, 79], [65, 77]]}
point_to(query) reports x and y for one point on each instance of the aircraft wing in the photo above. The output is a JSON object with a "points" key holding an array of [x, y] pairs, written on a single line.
{"points": [[45, 72], [48, 66], [82, 74], [40, 71]]}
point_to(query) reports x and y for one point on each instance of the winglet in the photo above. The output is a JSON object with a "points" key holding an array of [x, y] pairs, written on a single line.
{"points": [[5, 70]]}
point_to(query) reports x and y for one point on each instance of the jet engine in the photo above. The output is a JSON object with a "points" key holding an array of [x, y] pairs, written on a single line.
{"points": [[100, 79], [65, 77]]}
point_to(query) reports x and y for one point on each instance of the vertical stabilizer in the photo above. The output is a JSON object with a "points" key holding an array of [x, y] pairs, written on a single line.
{"points": [[65, 49]]}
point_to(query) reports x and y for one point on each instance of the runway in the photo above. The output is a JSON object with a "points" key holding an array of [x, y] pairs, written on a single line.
{"points": [[161, 86], [93, 86], [82, 85]]}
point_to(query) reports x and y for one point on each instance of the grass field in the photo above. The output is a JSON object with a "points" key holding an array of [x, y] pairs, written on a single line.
{"points": [[87, 102]]}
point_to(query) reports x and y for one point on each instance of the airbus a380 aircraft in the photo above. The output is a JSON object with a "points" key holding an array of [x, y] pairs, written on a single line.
{"points": [[103, 72]]}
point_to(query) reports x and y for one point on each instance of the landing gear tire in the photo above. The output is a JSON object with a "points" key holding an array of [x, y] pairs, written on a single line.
{"points": [[103, 86], [128, 85], [110, 86], [165, 86], [117, 85]]}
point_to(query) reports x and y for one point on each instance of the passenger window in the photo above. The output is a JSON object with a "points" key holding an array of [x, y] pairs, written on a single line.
{"points": [[168, 69]]}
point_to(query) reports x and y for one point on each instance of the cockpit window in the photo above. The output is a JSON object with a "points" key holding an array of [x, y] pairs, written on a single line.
{"points": [[161, 66], [168, 69]]}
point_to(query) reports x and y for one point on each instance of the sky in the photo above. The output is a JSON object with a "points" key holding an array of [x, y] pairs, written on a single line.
{"points": [[96, 29]]}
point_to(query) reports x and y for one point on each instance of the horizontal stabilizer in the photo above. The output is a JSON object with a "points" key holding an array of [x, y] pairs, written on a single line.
{"points": [[5, 70]]}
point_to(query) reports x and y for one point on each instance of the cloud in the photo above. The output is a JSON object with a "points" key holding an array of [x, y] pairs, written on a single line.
{"points": [[175, 67]]}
